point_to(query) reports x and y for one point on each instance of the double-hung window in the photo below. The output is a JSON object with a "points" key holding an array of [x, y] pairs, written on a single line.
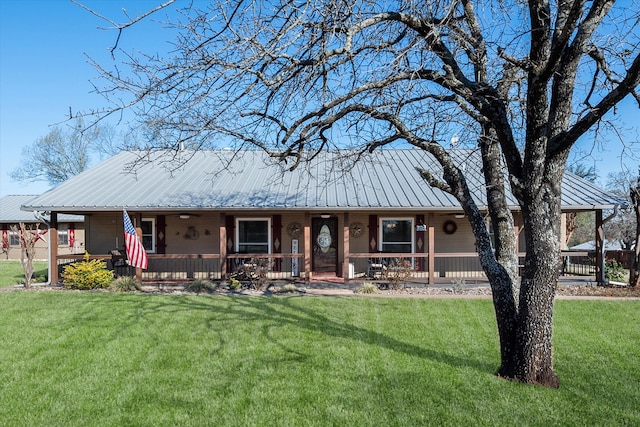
{"points": [[148, 226], [14, 238], [63, 235], [396, 235], [253, 235]]}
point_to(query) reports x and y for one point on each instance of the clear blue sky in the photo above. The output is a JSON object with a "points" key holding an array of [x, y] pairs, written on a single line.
{"points": [[44, 71]]}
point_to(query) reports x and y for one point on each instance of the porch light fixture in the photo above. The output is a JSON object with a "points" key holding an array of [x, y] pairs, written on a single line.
{"points": [[325, 216], [459, 215], [185, 216]]}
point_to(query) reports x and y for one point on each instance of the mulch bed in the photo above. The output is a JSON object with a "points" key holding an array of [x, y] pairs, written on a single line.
{"points": [[422, 291]]}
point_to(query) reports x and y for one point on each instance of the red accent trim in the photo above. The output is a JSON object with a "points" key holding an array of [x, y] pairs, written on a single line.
{"points": [[276, 225], [373, 233], [420, 235], [72, 235]]}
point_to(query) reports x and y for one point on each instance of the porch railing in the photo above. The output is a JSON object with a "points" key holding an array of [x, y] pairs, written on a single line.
{"points": [[371, 266]]}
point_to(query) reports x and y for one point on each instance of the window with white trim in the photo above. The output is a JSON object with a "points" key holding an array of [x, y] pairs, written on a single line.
{"points": [[14, 238], [63, 235], [148, 227], [253, 235], [396, 235]]}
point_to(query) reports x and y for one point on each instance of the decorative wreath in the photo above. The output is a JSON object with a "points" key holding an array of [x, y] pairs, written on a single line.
{"points": [[294, 229], [449, 227], [356, 229]]}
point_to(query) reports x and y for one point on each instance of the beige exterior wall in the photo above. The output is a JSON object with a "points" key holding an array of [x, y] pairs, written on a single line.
{"points": [[200, 234], [75, 242], [195, 235]]}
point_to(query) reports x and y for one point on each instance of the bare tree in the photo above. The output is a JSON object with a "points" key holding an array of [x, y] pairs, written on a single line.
{"points": [[29, 236], [622, 228], [62, 153], [634, 274], [6, 247], [576, 220], [524, 79]]}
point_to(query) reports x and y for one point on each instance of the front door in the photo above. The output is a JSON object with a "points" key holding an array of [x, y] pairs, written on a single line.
{"points": [[324, 234]]}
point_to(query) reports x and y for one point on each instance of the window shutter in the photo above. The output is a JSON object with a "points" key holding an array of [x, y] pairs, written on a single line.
{"points": [[276, 226], [161, 234], [373, 233], [72, 234]]}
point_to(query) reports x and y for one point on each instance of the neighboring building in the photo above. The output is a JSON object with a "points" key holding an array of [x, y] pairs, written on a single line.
{"points": [[70, 230], [609, 245], [330, 217]]}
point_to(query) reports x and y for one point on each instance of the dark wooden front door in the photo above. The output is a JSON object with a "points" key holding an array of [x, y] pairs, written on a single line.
{"points": [[324, 234]]}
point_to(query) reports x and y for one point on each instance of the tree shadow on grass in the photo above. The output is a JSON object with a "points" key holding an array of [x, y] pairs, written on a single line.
{"points": [[279, 312]]}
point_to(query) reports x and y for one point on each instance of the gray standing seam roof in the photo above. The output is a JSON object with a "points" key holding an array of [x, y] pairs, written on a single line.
{"points": [[224, 179], [10, 212]]}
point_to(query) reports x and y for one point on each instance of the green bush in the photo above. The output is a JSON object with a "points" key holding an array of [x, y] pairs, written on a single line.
{"points": [[125, 284], [87, 274], [367, 288], [234, 284], [614, 271], [199, 286]]}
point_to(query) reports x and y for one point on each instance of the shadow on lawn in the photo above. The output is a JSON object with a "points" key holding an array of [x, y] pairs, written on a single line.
{"points": [[282, 311]]}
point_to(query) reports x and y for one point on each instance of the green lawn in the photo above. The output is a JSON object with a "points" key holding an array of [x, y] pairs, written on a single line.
{"points": [[101, 359], [11, 272]]}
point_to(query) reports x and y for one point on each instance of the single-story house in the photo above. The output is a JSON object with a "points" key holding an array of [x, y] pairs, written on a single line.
{"points": [[69, 230], [201, 214]]}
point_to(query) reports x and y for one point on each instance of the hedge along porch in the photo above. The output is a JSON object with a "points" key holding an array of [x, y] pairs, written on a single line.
{"points": [[330, 217]]}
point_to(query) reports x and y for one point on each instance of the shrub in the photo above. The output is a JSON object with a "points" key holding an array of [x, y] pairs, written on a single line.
{"points": [[614, 271], [125, 284], [87, 274], [458, 285], [199, 286], [254, 271], [397, 272], [367, 288], [234, 284]]}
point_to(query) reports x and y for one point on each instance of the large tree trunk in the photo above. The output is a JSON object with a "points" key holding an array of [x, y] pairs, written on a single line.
{"points": [[634, 273], [501, 263], [541, 215]]}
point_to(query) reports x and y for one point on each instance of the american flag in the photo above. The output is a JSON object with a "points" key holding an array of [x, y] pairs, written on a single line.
{"points": [[135, 251]]}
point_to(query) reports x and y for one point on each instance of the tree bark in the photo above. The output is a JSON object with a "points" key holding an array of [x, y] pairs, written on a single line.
{"points": [[634, 274], [541, 216]]}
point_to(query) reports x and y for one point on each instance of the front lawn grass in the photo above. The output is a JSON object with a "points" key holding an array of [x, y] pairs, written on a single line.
{"points": [[94, 358], [11, 272]]}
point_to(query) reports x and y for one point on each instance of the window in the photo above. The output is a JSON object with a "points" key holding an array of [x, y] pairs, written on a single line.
{"points": [[14, 238], [396, 235], [253, 235], [492, 234], [148, 227], [63, 235]]}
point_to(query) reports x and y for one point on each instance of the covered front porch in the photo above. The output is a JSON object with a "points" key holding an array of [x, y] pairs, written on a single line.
{"points": [[425, 269], [326, 245]]}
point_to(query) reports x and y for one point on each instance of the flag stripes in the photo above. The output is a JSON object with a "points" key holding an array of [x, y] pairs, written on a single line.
{"points": [[135, 251]]}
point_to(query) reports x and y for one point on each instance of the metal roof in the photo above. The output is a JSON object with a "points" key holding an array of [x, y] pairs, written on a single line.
{"points": [[224, 179], [10, 212]]}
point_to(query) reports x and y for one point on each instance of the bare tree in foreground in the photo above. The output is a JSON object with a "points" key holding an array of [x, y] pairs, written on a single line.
{"points": [[524, 80], [29, 236], [634, 274]]}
